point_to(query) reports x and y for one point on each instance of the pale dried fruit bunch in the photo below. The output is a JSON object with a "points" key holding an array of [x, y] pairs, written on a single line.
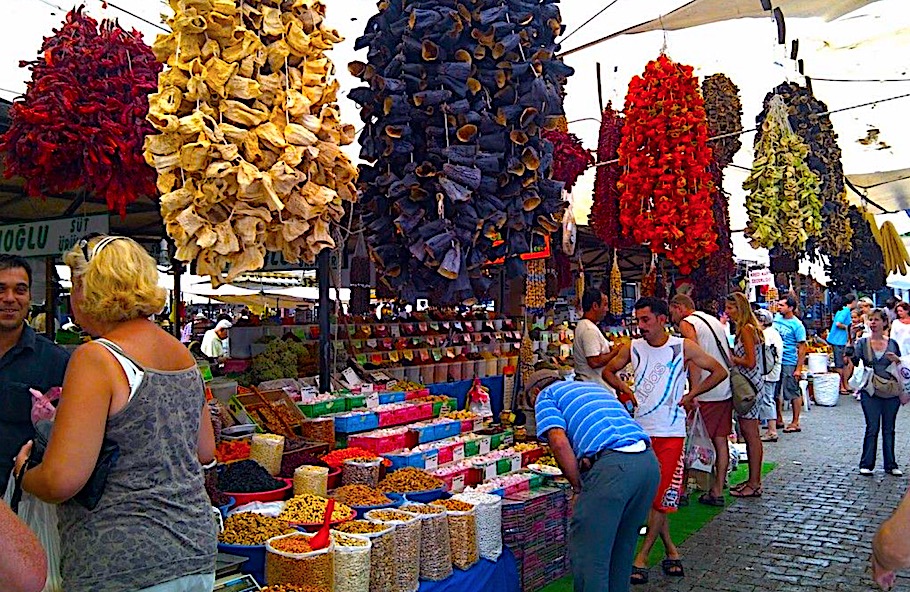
{"points": [[247, 153]]}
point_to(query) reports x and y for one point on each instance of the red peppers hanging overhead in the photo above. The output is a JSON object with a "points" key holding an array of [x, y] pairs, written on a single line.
{"points": [[81, 123]]}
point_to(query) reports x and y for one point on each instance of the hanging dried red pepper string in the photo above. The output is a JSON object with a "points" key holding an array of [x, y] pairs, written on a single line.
{"points": [[81, 124], [667, 191], [605, 210]]}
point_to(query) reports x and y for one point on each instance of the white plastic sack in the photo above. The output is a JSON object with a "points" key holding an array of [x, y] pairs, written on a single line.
{"points": [[860, 377], [902, 373], [271, 509], [700, 454], [41, 517], [488, 520]]}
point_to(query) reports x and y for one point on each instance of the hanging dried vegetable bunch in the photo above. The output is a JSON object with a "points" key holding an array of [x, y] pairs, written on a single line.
{"points": [[649, 279], [80, 124], [605, 210], [862, 269], [893, 248], [666, 189], [783, 203], [725, 116], [711, 279], [824, 159], [616, 304], [536, 287], [247, 154], [570, 158], [457, 97]]}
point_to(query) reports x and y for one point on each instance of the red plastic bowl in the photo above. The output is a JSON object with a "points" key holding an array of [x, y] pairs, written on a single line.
{"points": [[334, 479], [263, 496]]}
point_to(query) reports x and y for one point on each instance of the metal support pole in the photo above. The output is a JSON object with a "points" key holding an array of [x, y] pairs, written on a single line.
{"points": [[50, 300], [325, 350]]}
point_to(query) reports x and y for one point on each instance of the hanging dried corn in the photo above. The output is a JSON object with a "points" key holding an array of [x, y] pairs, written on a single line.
{"points": [[616, 304], [248, 155], [536, 287], [526, 357]]}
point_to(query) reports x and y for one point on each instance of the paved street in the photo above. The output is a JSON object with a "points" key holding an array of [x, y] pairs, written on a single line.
{"points": [[812, 529]]}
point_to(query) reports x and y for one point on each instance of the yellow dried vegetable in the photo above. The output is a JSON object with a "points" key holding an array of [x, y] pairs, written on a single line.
{"points": [[248, 155]]}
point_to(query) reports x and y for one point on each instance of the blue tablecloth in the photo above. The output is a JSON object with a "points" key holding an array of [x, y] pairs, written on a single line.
{"points": [[485, 576], [459, 390]]}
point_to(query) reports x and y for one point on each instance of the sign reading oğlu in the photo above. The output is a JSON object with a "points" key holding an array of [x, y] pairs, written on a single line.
{"points": [[49, 237]]}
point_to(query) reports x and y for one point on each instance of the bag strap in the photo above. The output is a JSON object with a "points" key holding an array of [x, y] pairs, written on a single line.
{"points": [[723, 350]]}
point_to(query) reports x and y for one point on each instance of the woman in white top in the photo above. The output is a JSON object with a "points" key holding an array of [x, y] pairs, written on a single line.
{"points": [[900, 329]]}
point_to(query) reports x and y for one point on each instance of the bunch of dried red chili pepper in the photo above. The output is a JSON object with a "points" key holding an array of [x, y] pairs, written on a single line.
{"points": [[666, 187], [81, 123], [605, 210], [570, 158]]}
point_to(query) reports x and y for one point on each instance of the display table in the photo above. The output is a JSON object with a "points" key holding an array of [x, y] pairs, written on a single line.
{"points": [[459, 390], [485, 576]]}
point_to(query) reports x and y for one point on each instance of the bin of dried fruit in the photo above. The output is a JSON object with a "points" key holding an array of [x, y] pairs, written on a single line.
{"points": [[435, 548], [249, 528], [407, 544], [267, 449], [462, 533], [352, 562], [410, 481], [361, 471], [291, 560], [309, 510], [336, 458], [247, 481], [360, 495]]}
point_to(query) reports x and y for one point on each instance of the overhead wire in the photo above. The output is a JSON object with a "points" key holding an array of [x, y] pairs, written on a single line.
{"points": [[579, 27], [115, 7]]}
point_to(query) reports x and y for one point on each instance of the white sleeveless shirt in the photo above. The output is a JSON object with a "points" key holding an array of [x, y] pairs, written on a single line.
{"points": [[660, 378]]}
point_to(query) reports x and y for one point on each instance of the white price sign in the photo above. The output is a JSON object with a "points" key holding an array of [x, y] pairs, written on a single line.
{"points": [[458, 483], [478, 424], [508, 439], [484, 445], [431, 462], [516, 463], [761, 277], [489, 472], [372, 400], [458, 453]]}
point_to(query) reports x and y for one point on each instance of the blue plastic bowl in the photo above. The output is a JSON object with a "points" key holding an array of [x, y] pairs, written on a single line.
{"points": [[397, 500], [425, 497], [227, 507], [255, 563]]}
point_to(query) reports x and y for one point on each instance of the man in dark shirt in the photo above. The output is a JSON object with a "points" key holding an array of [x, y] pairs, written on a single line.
{"points": [[27, 360]]}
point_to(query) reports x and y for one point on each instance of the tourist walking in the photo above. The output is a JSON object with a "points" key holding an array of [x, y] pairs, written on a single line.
{"points": [[607, 459], [774, 347], [591, 349], [880, 397], [139, 388], [747, 357], [793, 334], [716, 405], [659, 362], [900, 328], [891, 546], [838, 338]]}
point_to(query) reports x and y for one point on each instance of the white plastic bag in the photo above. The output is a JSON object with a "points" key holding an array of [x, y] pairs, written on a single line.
{"points": [[902, 373], [860, 377], [41, 517], [700, 454]]}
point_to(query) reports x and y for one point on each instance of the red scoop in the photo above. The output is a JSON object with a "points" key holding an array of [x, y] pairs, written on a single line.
{"points": [[320, 540]]}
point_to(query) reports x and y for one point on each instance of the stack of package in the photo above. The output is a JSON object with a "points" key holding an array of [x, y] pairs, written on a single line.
{"points": [[534, 526]]}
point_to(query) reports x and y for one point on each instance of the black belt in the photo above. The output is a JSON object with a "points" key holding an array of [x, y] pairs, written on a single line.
{"points": [[586, 463]]}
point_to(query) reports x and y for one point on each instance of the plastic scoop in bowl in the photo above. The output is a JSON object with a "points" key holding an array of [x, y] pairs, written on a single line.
{"points": [[320, 540]]}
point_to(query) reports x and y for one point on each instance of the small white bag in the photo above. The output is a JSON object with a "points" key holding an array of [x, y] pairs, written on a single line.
{"points": [[860, 377]]}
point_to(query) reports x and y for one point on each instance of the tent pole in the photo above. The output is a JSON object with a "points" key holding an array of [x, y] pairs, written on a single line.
{"points": [[322, 280]]}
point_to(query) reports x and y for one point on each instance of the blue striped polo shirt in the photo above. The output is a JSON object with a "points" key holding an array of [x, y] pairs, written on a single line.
{"points": [[591, 416]]}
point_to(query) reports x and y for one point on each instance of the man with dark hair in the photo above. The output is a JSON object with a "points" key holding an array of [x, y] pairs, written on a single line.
{"points": [[838, 338], [27, 360], [660, 362], [591, 349], [793, 334], [891, 307]]}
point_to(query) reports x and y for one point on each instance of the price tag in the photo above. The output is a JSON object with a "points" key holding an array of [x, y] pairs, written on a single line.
{"points": [[516, 463], [489, 472], [367, 388], [431, 462], [444, 409], [458, 453], [458, 483], [372, 400], [478, 424], [484, 446], [396, 331], [508, 439], [351, 377]]}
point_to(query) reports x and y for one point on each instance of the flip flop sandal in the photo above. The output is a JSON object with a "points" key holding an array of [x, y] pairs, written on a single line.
{"points": [[792, 430], [781, 425], [709, 500], [639, 576], [672, 568], [769, 438], [753, 493]]}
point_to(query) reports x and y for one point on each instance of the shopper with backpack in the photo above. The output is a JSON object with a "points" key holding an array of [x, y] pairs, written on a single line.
{"points": [[774, 347]]}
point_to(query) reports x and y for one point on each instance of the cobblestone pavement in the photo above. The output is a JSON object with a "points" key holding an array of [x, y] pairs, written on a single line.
{"points": [[812, 529]]}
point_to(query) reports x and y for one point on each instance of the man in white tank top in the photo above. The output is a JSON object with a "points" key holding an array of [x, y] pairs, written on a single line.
{"points": [[660, 363], [716, 405]]}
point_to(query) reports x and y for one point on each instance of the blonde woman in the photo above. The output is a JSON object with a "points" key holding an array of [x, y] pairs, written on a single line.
{"points": [[747, 355], [138, 387]]}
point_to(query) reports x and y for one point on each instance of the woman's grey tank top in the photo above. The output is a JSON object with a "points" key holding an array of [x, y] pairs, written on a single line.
{"points": [[154, 522]]}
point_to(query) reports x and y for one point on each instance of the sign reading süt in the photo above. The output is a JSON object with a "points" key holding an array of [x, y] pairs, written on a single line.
{"points": [[49, 237]]}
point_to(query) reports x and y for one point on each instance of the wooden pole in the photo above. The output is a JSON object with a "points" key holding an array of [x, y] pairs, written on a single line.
{"points": [[600, 92], [322, 279]]}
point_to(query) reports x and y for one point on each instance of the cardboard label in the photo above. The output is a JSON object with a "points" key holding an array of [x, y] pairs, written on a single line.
{"points": [[484, 445], [508, 439], [458, 483], [372, 400], [489, 472], [444, 408], [351, 377], [478, 424], [458, 453], [367, 388], [516, 463], [396, 331], [431, 462]]}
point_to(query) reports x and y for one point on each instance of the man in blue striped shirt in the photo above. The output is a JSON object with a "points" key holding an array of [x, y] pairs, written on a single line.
{"points": [[607, 459]]}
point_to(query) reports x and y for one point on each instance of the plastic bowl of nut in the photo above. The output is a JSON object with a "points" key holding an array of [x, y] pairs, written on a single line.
{"points": [[245, 535], [273, 495], [306, 512]]}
